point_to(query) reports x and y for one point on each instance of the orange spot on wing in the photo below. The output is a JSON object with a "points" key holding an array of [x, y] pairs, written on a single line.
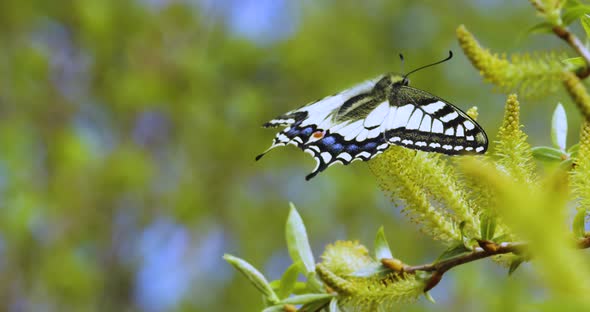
{"points": [[318, 134]]}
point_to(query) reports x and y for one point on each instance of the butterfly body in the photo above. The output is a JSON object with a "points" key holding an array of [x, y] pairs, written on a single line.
{"points": [[361, 122]]}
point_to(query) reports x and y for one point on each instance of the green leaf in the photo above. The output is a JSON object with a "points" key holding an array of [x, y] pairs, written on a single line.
{"points": [[573, 150], [289, 279], [382, 250], [466, 240], [300, 288], [275, 285], [313, 307], [579, 224], [333, 307], [275, 308], [566, 164], [255, 277], [458, 249], [313, 283], [429, 297], [541, 28], [547, 153], [559, 127], [306, 299], [462, 230], [574, 63], [487, 226], [585, 19], [573, 11], [514, 265], [297, 241]]}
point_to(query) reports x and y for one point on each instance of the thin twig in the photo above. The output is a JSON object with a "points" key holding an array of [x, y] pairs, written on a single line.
{"points": [[487, 249], [575, 43]]}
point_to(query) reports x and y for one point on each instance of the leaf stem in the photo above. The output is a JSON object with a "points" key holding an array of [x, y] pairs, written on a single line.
{"points": [[577, 45]]}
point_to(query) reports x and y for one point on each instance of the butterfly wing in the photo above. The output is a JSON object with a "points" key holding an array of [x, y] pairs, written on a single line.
{"points": [[312, 127], [408, 117], [428, 123]]}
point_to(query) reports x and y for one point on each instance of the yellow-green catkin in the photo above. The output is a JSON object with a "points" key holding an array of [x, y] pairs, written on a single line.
{"points": [[513, 153], [335, 282], [346, 257], [578, 92], [440, 182], [382, 294], [397, 172], [473, 113], [580, 179], [373, 293], [530, 75]]}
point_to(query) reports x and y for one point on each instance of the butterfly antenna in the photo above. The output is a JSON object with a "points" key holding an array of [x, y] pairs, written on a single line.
{"points": [[425, 66], [401, 57]]}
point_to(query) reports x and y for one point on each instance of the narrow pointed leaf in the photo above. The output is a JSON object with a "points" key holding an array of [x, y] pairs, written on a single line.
{"points": [[462, 230], [333, 307], [547, 153], [514, 265], [466, 240], [585, 19], [453, 251], [255, 277], [559, 127], [313, 283], [314, 306], [275, 285], [381, 246], [575, 63], [573, 12], [540, 28], [574, 148], [566, 164], [307, 299], [579, 224], [300, 288], [275, 308], [297, 241], [487, 226], [429, 297], [288, 280]]}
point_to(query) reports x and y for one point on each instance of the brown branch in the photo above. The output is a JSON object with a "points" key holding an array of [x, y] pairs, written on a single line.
{"points": [[584, 243], [476, 254], [486, 249], [576, 44]]}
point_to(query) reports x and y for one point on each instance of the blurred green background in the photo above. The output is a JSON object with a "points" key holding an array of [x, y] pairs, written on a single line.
{"points": [[128, 131]]}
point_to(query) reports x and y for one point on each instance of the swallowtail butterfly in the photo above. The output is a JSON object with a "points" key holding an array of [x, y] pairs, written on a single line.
{"points": [[361, 122]]}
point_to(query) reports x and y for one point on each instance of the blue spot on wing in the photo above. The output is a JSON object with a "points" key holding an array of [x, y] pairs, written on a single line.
{"points": [[307, 131], [336, 148], [329, 140], [352, 149], [370, 146], [292, 132]]}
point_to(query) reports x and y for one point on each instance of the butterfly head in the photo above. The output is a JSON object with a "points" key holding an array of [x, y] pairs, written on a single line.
{"points": [[390, 81]]}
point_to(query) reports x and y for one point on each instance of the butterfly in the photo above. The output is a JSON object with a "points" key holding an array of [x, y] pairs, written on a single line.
{"points": [[361, 122]]}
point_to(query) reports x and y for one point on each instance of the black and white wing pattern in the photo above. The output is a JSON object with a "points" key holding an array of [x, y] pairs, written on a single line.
{"points": [[361, 122]]}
